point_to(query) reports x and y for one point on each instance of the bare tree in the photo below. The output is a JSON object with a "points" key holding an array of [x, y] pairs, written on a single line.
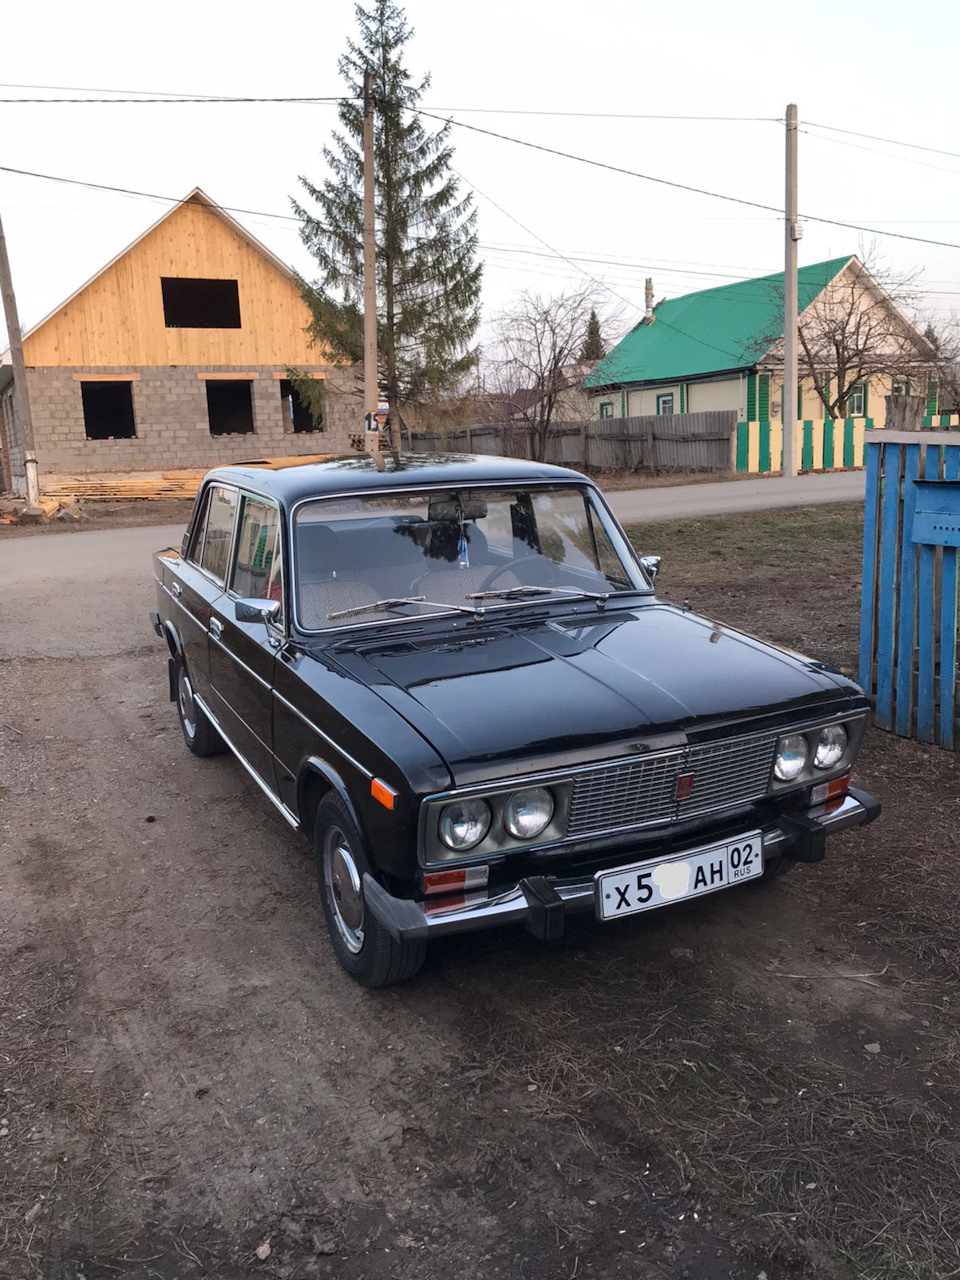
{"points": [[858, 329], [534, 364]]}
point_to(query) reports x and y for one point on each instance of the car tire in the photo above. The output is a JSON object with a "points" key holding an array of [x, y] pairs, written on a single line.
{"points": [[775, 867], [365, 949], [198, 733]]}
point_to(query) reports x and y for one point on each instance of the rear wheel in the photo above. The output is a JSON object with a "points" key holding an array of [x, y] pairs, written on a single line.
{"points": [[363, 946], [198, 733]]}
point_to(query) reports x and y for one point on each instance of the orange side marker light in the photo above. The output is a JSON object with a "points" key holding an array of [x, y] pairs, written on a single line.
{"points": [[386, 795]]}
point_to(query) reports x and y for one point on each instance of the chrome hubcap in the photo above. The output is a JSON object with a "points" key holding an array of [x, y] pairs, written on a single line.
{"points": [[188, 710], [343, 884]]}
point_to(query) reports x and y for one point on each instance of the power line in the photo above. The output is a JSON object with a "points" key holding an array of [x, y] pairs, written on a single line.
{"points": [[206, 101], [604, 115], [873, 137], [890, 155], [147, 195], [682, 186], [600, 283]]}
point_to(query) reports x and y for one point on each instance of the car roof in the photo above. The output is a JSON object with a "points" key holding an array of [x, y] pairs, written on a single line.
{"points": [[290, 480]]}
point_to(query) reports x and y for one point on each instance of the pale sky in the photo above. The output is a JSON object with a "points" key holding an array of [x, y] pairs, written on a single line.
{"points": [[862, 65]]}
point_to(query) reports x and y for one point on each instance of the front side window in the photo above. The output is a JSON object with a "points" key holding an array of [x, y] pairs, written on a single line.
{"points": [[450, 547], [606, 409], [855, 400], [900, 387], [665, 404], [257, 573], [221, 515]]}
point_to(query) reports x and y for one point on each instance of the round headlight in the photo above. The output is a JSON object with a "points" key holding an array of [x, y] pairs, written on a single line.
{"points": [[464, 823], [831, 745], [792, 752], [527, 813]]}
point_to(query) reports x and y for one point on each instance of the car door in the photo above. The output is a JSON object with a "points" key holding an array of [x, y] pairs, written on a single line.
{"points": [[243, 654], [200, 580]]}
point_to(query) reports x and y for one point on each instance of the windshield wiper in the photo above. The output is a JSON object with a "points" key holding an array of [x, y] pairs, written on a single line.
{"points": [[378, 605], [521, 593]]}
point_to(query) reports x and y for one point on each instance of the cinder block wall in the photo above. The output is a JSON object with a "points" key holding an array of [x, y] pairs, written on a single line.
{"points": [[173, 430]]}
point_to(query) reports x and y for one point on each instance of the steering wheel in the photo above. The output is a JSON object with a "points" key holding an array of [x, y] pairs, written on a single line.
{"points": [[512, 567]]}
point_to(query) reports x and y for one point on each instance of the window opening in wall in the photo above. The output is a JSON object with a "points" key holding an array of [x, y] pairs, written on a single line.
{"points": [[665, 404], [229, 408], [856, 397], [606, 408], [296, 414], [200, 304], [108, 410]]}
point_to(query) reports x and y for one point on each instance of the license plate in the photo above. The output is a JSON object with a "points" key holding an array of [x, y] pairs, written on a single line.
{"points": [[645, 885]]}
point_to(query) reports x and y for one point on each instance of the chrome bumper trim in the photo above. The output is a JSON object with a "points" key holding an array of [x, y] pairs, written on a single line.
{"points": [[408, 919]]}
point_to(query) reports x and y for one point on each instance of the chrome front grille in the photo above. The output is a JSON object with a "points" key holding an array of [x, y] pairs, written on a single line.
{"points": [[645, 791], [628, 794], [727, 773]]}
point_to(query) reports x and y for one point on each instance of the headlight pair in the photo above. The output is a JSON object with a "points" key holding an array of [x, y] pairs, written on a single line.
{"points": [[525, 815], [823, 748]]}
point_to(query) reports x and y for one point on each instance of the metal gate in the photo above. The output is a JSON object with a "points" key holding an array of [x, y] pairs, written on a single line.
{"points": [[908, 611]]}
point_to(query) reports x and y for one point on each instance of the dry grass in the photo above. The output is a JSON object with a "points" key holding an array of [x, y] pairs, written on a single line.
{"points": [[56, 1149], [849, 1178]]}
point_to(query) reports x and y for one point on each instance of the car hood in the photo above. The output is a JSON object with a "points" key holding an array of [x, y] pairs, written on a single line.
{"points": [[500, 699]]}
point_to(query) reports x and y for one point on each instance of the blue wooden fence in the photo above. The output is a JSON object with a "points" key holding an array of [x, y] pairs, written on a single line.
{"points": [[908, 608]]}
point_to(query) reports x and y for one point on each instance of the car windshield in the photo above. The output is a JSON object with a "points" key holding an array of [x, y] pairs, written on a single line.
{"points": [[365, 559]]}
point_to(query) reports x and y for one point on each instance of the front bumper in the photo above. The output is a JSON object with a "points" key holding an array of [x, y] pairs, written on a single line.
{"points": [[543, 902]]}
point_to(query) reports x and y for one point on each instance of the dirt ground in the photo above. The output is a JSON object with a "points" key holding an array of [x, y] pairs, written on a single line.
{"points": [[765, 1082]]}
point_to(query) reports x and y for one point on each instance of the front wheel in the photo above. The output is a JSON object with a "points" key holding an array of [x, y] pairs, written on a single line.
{"points": [[363, 946]]}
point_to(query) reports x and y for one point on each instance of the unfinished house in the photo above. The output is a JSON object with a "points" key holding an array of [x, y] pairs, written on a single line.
{"points": [[177, 354]]}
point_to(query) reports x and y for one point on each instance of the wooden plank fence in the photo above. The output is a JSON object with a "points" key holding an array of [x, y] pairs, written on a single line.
{"points": [[682, 441], [909, 612]]}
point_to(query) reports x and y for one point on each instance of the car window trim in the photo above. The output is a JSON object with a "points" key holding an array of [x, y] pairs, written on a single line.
{"points": [[527, 485], [226, 487], [200, 532], [229, 591]]}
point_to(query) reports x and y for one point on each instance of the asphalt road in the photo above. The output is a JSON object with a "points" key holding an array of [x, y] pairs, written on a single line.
{"points": [[107, 572], [634, 506]]}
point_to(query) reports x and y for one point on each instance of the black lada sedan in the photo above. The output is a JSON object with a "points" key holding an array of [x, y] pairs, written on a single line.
{"points": [[453, 675]]}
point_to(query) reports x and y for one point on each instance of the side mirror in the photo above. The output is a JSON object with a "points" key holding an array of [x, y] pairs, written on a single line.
{"points": [[257, 610], [651, 567]]}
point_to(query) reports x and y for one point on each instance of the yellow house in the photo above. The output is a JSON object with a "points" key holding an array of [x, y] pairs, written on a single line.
{"points": [[721, 348], [176, 354]]}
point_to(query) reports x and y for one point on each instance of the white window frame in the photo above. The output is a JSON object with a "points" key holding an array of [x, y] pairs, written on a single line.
{"points": [[606, 409], [661, 398], [900, 387], [855, 396]]}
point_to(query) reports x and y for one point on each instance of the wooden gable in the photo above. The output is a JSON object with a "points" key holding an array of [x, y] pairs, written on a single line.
{"points": [[117, 318]]}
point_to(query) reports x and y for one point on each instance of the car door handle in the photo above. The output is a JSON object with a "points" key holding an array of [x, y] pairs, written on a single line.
{"points": [[216, 627], [177, 589]]}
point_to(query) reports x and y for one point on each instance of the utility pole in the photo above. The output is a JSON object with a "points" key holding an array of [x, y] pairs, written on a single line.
{"points": [[21, 395], [371, 381], [792, 233]]}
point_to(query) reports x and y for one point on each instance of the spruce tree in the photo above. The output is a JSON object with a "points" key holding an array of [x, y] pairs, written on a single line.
{"points": [[593, 348], [428, 279]]}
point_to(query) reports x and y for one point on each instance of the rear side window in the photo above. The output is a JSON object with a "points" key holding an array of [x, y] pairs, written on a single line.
{"points": [[218, 523], [257, 573]]}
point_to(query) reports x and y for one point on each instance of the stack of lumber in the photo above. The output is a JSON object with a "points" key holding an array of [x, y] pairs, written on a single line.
{"points": [[169, 484]]}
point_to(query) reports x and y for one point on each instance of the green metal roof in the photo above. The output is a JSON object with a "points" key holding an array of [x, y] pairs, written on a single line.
{"points": [[729, 327]]}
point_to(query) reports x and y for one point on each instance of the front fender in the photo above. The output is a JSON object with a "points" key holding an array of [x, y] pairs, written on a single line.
{"points": [[315, 766]]}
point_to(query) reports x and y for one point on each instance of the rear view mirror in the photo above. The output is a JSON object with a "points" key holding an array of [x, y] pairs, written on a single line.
{"points": [[651, 567], [257, 610]]}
